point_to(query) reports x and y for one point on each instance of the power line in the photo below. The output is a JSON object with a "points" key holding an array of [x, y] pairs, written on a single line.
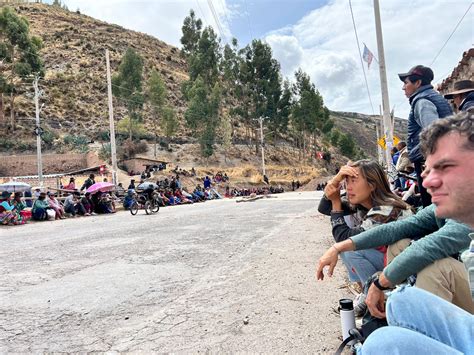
{"points": [[361, 61], [454, 30], [216, 19], [202, 13], [248, 21]]}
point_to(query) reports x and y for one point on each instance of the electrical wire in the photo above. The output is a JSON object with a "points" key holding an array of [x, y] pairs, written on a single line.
{"points": [[454, 30], [360, 56]]}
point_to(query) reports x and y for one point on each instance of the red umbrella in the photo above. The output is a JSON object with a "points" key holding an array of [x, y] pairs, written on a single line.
{"points": [[101, 186]]}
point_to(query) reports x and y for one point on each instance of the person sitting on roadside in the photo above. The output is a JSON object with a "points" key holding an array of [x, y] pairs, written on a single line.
{"points": [[207, 183], [128, 199], [73, 205], [370, 202], [132, 184], [55, 205], [8, 216], [119, 190], [87, 203], [20, 208], [105, 203], [71, 186], [40, 207]]}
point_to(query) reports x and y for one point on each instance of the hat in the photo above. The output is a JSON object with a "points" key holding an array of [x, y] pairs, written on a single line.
{"points": [[419, 70], [6, 194], [460, 87]]}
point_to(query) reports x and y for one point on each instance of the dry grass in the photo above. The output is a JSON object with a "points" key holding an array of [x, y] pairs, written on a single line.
{"points": [[251, 175]]}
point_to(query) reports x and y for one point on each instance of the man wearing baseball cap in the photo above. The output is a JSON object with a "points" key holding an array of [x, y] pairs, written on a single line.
{"points": [[462, 96], [427, 105]]}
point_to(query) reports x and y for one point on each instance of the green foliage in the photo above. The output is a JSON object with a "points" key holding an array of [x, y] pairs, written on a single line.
{"points": [[48, 137], [127, 85], [308, 110], [335, 137], [79, 143], [127, 125], [191, 33], [327, 126], [169, 122], [105, 152], [156, 91], [347, 145], [204, 59], [202, 115], [19, 51]]}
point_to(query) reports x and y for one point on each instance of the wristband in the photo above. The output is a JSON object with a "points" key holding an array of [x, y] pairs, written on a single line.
{"points": [[379, 286]]}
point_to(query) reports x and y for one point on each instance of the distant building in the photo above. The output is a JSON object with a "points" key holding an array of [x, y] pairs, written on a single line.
{"points": [[463, 71]]}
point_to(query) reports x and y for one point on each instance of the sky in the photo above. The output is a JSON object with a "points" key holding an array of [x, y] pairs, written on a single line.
{"points": [[318, 37]]}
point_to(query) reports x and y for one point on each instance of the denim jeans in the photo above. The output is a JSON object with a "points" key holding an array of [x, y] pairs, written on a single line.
{"points": [[422, 323], [362, 264]]}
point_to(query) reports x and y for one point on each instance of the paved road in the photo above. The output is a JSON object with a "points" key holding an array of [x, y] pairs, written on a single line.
{"points": [[219, 276]]}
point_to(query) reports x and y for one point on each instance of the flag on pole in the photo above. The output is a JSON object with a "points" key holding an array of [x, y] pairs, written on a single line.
{"points": [[367, 56]]}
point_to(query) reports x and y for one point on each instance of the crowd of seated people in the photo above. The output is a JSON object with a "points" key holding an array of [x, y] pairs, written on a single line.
{"points": [[253, 191]]}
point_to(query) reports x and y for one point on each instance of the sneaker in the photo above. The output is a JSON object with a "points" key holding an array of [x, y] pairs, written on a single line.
{"points": [[359, 305]]}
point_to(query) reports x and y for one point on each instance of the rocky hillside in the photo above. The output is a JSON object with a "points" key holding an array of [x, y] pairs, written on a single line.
{"points": [[362, 128], [75, 84]]}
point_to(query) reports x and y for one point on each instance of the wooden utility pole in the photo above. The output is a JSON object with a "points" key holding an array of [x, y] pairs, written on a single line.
{"points": [[387, 120], [262, 144], [113, 150], [38, 132]]}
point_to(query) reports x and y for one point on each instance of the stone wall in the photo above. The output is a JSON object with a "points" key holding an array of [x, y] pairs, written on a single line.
{"points": [[22, 165], [463, 71]]}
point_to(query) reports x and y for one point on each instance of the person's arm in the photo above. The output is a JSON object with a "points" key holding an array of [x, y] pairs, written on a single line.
{"points": [[340, 230], [325, 206], [417, 226], [425, 112], [448, 240]]}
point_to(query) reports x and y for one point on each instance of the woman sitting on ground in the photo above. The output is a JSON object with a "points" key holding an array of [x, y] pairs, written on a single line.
{"points": [[40, 207], [8, 216], [20, 206], [56, 206], [370, 202]]}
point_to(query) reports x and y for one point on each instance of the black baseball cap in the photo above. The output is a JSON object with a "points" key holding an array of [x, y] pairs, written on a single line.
{"points": [[420, 71]]}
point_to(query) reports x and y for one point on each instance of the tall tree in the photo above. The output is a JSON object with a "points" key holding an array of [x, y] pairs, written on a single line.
{"points": [[191, 33], [127, 85], [156, 94], [261, 82], [204, 59], [202, 115], [19, 56]]}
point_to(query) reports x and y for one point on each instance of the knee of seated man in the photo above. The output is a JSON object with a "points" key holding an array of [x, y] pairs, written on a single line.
{"points": [[396, 248]]}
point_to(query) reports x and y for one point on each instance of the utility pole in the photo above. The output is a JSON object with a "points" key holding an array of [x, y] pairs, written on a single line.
{"points": [[387, 120], [262, 145], [113, 150], [38, 132]]}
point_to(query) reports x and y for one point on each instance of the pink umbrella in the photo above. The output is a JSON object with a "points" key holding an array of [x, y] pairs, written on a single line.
{"points": [[101, 186]]}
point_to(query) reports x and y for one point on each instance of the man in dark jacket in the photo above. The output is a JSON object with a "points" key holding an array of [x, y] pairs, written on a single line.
{"points": [[462, 96], [89, 182], [427, 105]]}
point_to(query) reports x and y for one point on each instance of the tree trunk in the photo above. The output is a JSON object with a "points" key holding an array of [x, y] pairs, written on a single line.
{"points": [[2, 110], [12, 112]]}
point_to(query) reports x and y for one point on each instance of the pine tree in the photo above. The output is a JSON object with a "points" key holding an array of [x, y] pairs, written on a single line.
{"points": [[191, 33], [19, 53], [127, 85]]}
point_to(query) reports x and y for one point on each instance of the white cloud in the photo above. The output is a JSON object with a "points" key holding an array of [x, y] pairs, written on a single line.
{"points": [[287, 50], [161, 19], [323, 43]]}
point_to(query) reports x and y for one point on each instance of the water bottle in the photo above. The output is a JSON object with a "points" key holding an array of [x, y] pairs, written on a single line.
{"points": [[346, 308], [468, 259]]}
